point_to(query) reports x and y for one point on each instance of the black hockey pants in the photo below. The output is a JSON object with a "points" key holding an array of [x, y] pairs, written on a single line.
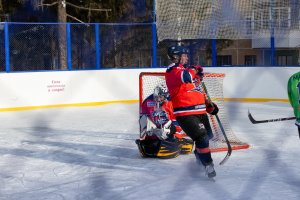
{"points": [[197, 127]]}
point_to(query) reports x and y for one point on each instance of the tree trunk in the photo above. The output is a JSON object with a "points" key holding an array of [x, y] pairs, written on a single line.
{"points": [[1, 8], [62, 37]]}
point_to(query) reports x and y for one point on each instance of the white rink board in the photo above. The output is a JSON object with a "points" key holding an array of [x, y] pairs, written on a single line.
{"points": [[256, 82], [76, 87]]}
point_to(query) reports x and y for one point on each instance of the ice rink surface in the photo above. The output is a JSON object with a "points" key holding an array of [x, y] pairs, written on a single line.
{"points": [[89, 153]]}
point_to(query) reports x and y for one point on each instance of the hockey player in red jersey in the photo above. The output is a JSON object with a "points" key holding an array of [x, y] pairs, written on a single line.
{"points": [[161, 136], [190, 104]]}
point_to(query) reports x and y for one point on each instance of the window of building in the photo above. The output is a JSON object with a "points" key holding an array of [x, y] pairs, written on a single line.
{"points": [[284, 60], [224, 60], [261, 18], [250, 60], [249, 25], [281, 16]]}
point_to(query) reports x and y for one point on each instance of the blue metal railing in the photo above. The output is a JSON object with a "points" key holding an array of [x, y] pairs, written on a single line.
{"points": [[74, 46]]}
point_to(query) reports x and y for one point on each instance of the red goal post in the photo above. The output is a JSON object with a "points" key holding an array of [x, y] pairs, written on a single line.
{"points": [[214, 84]]}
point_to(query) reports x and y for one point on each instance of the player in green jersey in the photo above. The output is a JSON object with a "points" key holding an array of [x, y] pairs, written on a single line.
{"points": [[293, 89]]}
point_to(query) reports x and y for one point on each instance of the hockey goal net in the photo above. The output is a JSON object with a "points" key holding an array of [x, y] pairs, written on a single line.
{"points": [[219, 19], [214, 84]]}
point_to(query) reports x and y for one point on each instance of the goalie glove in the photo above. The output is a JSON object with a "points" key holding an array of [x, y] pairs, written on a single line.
{"points": [[164, 132], [167, 129]]}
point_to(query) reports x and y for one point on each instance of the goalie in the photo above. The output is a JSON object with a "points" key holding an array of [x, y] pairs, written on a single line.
{"points": [[160, 135]]}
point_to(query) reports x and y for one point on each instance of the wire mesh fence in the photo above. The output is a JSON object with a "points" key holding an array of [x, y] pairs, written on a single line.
{"points": [[78, 46]]}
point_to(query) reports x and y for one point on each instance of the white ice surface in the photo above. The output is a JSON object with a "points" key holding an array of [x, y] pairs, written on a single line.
{"points": [[89, 153]]}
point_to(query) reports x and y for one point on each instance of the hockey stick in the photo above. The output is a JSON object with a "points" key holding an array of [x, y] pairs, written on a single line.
{"points": [[222, 129], [268, 120]]}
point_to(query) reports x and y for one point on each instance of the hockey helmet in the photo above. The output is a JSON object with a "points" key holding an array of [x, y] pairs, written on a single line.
{"points": [[174, 52], [161, 93]]}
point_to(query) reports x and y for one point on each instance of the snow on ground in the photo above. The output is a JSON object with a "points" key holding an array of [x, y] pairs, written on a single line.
{"points": [[89, 153]]}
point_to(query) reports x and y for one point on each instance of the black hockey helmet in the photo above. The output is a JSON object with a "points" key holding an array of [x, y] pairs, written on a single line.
{"points": [[174, 52]]}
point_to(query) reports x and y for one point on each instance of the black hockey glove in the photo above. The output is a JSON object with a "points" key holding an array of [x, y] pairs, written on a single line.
{"points": [[212, 108], [198, 69]]}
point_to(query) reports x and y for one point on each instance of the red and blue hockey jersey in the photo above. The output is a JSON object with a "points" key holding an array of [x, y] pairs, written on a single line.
{"points": [[186, 99], [149, 106]]}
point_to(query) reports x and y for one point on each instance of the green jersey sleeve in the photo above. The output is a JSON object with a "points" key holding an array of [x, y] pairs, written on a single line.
{"points": [[293, 89]]}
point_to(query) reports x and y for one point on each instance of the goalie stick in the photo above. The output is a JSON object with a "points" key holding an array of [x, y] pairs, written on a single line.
{"points": [[222, 129], [268, 120]]}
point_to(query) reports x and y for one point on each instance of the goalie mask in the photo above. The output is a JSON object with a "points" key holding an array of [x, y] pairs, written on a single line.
{"points": [[161, 93]]}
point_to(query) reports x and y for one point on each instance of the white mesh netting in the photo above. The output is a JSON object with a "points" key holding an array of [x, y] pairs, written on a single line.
{"points": [[230, 19]]}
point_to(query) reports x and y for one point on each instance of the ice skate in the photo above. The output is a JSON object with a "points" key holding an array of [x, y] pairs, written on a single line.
{"points": [[210, 171], [209, 168]]}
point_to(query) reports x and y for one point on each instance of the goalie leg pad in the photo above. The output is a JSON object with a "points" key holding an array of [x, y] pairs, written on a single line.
{"points": [[148, 148], [156, 148], [141, 150], [169, 149], [187, 145]]}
